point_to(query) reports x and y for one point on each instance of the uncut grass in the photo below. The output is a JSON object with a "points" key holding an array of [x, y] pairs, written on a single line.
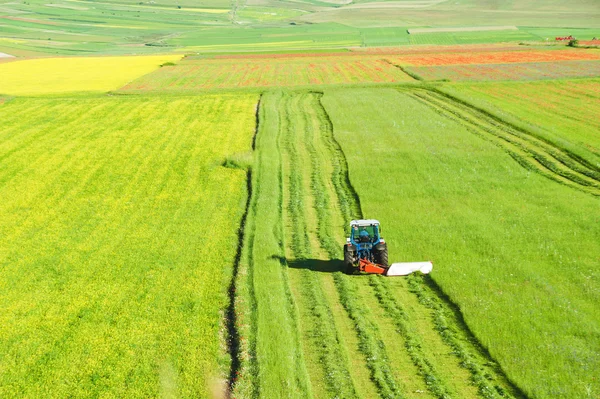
{"points": [[514, 250], [558, 111], [110, 286]]}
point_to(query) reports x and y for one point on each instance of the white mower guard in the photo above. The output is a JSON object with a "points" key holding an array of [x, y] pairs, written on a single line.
{"points": [[406, 268]]}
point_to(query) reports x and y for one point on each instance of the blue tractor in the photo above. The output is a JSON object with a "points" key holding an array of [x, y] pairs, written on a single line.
{"points": [[365, 249]]}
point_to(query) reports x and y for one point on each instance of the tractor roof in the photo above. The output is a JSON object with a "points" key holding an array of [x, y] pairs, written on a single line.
{"points": [[364, 222]]}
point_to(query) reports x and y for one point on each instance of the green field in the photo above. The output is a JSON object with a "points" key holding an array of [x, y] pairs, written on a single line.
{"points": [[515, 250], [177, 181]]}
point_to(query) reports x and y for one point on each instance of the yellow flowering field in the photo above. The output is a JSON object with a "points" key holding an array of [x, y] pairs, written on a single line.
{"points": [[118, 228], [70, 75]]}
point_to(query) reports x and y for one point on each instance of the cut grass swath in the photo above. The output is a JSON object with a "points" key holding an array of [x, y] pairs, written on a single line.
{"points": [[265, 299], [300, 133], [531, 152], [561, 116]]}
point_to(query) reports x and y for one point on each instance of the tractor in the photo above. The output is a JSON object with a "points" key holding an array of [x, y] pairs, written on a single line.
{"points": [[366, 251]]}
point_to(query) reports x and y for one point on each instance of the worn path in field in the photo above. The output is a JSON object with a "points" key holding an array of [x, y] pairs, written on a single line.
{"points": [[306, 329]]}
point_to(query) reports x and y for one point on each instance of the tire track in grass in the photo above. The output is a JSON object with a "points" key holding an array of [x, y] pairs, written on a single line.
{"points": [[529, 151]]}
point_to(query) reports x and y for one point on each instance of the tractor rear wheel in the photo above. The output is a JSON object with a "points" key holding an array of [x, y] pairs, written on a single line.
{"points": [[348, 262], [381, 257]]}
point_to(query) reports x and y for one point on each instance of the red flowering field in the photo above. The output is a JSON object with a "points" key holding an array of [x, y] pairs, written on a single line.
{"points": [[261, 72]]}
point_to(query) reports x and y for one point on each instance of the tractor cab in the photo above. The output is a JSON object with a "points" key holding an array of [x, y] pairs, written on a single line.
{"points": [[364, 234]]}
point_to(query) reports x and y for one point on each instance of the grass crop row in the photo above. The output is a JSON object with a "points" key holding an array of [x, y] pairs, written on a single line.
{"points": [[413, 343], [484, 371], [298, 140], [265, 300], [369, 336]]}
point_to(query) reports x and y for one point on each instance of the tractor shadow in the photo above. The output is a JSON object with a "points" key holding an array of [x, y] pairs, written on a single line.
{"points": [[317, 265]]}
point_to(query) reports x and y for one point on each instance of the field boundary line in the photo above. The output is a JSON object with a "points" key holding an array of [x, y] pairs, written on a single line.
{"points": [[530, 152], [231, 322], [412, 74]]}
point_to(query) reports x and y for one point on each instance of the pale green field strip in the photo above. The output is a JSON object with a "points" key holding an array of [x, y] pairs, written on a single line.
{"points": [[111, 284], [529, 151], [461, 29], [71, 75], [514, 250], [562, 115], [526, 71]]}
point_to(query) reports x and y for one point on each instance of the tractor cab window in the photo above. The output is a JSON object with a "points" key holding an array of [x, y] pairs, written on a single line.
{"points": [[365, 234]]}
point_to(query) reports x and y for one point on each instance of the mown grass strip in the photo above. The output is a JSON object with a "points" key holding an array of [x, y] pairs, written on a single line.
{"points": [[413, 343], [559, 153], [370, 342], [297, 145], [266, 299]]}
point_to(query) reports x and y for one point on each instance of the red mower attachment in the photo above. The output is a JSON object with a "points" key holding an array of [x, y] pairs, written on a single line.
{"points": [[370, 267]]}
